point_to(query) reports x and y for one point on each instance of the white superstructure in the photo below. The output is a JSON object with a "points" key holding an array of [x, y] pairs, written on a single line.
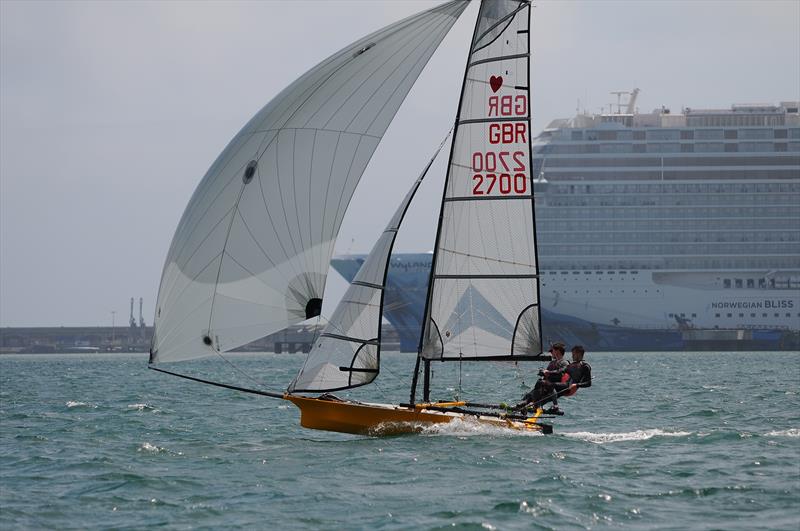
{"points": [[672, 220]]}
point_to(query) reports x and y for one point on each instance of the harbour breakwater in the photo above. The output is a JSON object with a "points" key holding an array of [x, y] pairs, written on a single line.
{"points": [[88, 339]]}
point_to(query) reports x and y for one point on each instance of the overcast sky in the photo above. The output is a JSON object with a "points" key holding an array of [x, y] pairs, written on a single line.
{"points": [[111, 112]]}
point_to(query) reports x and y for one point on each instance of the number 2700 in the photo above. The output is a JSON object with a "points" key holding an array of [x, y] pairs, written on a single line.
{"points": [[483, 184]]}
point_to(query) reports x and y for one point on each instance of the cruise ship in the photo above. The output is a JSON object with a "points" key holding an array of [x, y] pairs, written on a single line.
{"points": [[656, 231]]}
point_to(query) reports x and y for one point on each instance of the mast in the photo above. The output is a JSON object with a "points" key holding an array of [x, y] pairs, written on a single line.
{"points": [[533, 191], [426, 390], [482, 301]]}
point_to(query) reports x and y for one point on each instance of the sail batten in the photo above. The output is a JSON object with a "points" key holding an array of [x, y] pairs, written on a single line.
{"points": [[483, 295], [258, 233]]}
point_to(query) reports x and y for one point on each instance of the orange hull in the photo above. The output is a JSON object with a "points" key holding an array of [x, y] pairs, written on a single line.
{"points": [[385, 419]]}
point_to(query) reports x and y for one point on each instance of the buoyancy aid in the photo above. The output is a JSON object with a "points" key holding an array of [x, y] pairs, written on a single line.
{"points": [[573, 388]]}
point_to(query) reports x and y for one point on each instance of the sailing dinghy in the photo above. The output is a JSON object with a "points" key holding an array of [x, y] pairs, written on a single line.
{"points": [[251, 253]]}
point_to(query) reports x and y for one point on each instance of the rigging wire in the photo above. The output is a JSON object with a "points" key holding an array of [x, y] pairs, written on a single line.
{"points": [[458, 389], [237, 369]]}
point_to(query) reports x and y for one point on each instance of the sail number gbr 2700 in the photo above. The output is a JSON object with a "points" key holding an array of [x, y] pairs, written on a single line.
{"points": [[502, 172]]}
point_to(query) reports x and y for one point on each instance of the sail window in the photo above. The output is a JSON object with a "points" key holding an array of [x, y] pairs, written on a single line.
{"points": [[249, 171], [207, 340], [313, 307]]}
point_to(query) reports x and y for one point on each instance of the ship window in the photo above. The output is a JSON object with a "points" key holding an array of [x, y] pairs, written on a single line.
{"points": [[694, 315], [738, 282], [716, 315], [751, 283], [788, 315], [777, 315], [741, 315], [752, 315], [726, 283], [729, 315], [763, 315], [711, 134], [671, 315], [780, 133]]}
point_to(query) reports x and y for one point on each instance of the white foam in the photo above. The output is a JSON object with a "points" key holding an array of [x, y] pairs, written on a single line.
{"points": [[152, 448], [791, 432], [75, 403], [141, 407], [638, 435], [470, 428]]}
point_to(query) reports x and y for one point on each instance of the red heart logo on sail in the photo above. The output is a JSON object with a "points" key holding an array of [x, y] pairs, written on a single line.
{"points": [[496, 82]]}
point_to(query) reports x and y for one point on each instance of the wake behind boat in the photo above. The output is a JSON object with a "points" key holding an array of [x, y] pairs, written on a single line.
{"points": [[252, 251]]}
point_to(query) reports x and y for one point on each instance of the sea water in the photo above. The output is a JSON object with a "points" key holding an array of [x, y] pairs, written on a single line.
{"points": [[660, 441]]}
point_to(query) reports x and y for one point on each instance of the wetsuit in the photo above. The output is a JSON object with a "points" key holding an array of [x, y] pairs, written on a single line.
{"points": [[556, 369], [544, 390], [580, 373], [547, 390]]}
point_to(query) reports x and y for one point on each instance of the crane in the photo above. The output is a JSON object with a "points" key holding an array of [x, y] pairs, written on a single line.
{"points": [[132, 320]]}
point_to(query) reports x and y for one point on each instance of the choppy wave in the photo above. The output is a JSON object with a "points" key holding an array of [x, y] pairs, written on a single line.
{"points": [[791, 432], [142, 407], [638, 435], [75, 403], [151, 448]]}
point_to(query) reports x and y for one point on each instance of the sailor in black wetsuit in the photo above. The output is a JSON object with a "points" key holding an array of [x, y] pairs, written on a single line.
{"points": [[543, 391], [580, 372]]}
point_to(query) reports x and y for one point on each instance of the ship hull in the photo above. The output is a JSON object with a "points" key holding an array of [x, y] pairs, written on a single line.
{"points": [[386, 419], [623, 310]]}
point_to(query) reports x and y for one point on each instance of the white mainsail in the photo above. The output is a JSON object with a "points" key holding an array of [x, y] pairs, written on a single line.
{"points": [[347, 353], [483, 300], [250, 255]]}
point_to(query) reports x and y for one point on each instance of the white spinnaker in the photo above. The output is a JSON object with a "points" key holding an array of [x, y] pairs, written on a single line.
{"points": [[483, 300], [250, 255], [347, 353]]}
